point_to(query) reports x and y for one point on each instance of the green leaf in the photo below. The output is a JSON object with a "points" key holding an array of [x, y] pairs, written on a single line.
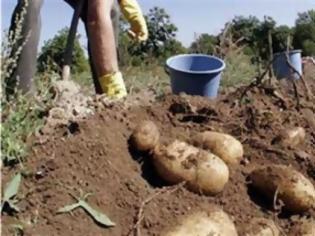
{"points": [[11, 158], [97, 216], [10, 191], [17, 226], [68, 208], [13, 206], [12, 188]]}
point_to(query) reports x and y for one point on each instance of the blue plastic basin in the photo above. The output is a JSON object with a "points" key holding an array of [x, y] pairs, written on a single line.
{"points": [[282, 69], [195, 74]]}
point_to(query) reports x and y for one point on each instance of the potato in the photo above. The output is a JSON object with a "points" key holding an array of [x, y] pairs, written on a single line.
{"points": [[262, 227], [216, 222], [203, 171], [293, 189], [292, 137], [305, 227], [145, 136], [229, 149]]}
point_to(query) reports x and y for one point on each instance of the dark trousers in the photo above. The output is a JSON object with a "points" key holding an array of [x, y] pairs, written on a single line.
{"points": [[24, 72], [26, 65]]}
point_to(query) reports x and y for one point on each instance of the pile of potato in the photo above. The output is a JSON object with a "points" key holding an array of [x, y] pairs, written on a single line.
{"points": [[204, 163], [303, 227], [262, 227], [145, 136], [205, 223], [203, 171], [229, 149], [286, 184], [291, 137]]}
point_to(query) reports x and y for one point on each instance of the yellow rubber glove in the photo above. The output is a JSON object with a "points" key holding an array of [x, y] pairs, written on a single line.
{"points": [[132, 12], [113, 85]]}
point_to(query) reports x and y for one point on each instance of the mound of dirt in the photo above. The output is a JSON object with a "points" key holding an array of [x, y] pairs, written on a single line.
{"points": [[95, 157]]}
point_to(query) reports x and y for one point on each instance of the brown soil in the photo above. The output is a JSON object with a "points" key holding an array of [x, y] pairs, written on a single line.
{"points": [[93, 156]]}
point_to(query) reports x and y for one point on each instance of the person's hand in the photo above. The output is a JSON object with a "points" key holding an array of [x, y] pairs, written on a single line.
{"points": [[132, 12]]}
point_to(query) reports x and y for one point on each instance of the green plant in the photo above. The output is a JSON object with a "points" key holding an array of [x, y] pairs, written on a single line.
{"points": [[266, 27], [21, 117], [10, 192], [11, 48], [239, 69], [146, 77], [85, 81], [244, 27], [239, 66], [280, 36], [52, 53], [304, 35], [161, 43], [96, 215], [21, 114], [17, 229], [205, 43], [255, 35]]}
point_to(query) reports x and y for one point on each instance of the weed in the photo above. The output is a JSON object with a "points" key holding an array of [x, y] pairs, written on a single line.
{"points": [[97, 216], [146, 77], [21, 117], [239, 69], [239, 66], [20, 113], [10, 192]]}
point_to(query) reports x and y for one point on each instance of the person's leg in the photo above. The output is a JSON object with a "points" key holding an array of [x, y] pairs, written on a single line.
{"points": [[103, 48], [26, 65], [97, 85], [101, 36], [115, 21]]}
